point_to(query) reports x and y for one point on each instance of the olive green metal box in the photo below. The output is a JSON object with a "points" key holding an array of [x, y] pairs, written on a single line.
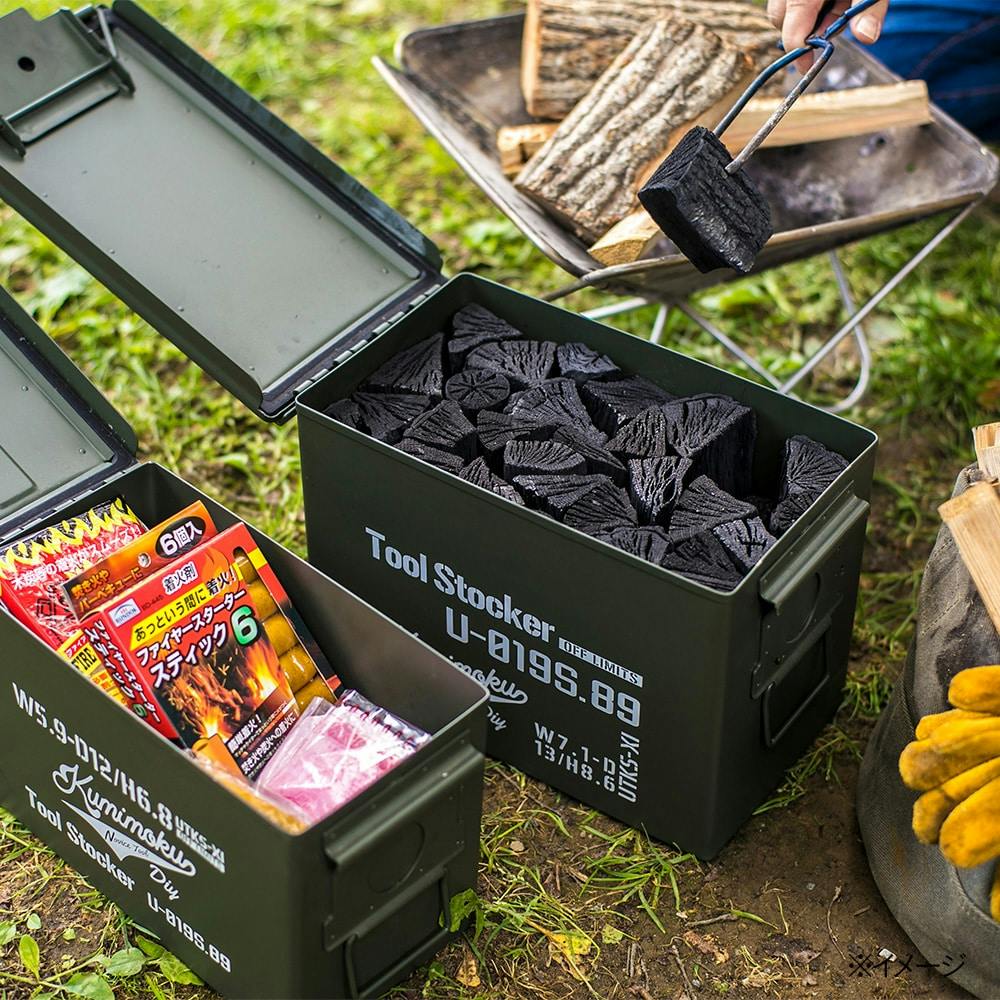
{"points": [[184, 195], [661, 702]]}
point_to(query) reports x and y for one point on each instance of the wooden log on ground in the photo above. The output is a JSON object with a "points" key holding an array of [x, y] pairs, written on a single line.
{"points": [[673, 74], [568, 44], [835, 114]]}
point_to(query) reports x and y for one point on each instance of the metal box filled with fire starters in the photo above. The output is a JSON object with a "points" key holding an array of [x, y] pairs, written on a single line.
{"points": [[663, 702], [345, 908]]}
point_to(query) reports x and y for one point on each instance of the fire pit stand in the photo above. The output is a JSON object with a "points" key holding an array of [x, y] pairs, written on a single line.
{"points": [[462, 82]]}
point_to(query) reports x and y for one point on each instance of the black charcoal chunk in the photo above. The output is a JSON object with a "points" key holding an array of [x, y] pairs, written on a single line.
{"points": [[600, 461], [478, 473], [715, 218], [556, 403], [650, 544], [702, 507], [434, 456], [807, 469], [388, 414], [655, 484], [718, 435], [496, 429], [474, 325], [704, 560], [602, 510], [347, 412], [540, 458], [644, 436], [612, 404], [764, 505], [745, 541], [582, 363], [525, 363], [478, 389], [555, 494], [446, 428], [418, 369]]}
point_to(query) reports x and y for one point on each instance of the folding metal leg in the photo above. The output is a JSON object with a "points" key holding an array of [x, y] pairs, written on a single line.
{"points": [[853, 326]]}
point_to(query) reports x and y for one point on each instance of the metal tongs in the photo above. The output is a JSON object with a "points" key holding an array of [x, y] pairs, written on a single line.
{"points": [[824, 43], [701, 197]]}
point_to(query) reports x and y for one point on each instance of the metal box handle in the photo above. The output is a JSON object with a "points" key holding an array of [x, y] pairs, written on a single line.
{"points": [[804, 589], [403, 845]]}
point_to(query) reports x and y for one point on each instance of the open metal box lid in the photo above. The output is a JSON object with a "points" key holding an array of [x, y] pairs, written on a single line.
{"points": [[60, 437], [227, 231]]}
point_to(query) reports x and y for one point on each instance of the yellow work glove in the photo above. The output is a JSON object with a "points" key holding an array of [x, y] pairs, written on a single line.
{"points": [[955, 762]]}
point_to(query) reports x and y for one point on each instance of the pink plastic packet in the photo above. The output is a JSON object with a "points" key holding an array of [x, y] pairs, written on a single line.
{"points": [[334, 752]]}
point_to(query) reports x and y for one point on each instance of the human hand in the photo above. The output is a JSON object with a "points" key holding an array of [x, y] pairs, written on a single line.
{"points": [[797, 21]]}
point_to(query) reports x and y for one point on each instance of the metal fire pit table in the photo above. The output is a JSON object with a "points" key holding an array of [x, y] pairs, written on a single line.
{"points": [[462, 81]]}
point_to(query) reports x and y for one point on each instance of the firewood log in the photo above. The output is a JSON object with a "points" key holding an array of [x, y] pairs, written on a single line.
{"points": [[568, 44], [673, 74]]}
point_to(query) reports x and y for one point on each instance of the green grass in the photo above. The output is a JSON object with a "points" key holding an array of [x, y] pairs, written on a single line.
{"points": [[937, 343]]}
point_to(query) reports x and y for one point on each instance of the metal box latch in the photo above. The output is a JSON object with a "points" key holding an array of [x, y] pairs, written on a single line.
{"points": [[53, 71]]}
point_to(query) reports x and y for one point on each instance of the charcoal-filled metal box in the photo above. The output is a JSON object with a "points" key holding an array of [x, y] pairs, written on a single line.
{"points": [[345, 908], [659, 701], [662, 702]]}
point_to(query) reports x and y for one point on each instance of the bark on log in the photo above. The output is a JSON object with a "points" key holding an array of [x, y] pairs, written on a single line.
{"points": [[673, 74], [568, 44]]}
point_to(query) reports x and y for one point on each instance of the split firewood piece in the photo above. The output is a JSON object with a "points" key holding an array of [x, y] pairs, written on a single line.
{"points": [[655, 485], [517, 144], [568, 44], [523, 362], [388, 414], [479, 474], [477, 389], [582, 363], [718, 434], [807, 469], [474, 325], [418, 369], [556, 494], [627, 241], [974, 520], [540, 458], [673, 74], [446, 428], [613, 404], [445, 460], [590, 446], [987, 440]]}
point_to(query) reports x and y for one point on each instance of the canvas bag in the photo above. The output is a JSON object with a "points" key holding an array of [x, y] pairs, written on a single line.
{"points": [[944, 910]]}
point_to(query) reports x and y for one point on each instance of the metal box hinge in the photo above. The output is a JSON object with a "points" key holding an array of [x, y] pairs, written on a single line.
{"points": [[376, 332], [61, 69]]}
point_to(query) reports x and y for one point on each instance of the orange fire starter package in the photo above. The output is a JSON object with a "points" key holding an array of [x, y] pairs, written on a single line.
{"points": [[33, 570], [139, 559], [210, 651]]}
